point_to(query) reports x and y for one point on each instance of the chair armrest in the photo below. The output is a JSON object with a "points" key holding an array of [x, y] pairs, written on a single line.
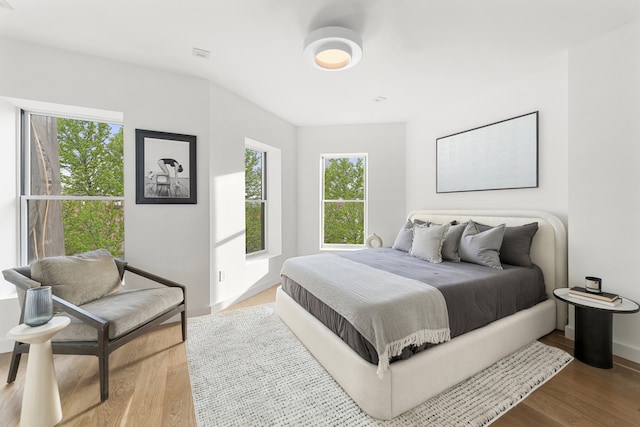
{"points": [[19, 280], [155, 278], [25, 283], [80, 313]]}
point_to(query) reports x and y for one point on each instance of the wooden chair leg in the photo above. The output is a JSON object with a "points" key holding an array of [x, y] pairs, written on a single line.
{"points": [[15, 362], [103, 361], [103, 369], [183, 317]]}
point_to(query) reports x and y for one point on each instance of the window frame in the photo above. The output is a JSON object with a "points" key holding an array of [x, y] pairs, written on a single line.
{"points": [[263, 201], [24, 171], [365, 201]]}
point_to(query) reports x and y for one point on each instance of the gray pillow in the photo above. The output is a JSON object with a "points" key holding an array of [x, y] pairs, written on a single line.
{"points": [[404, 238], [516, 244], [80, 278], [481, 248], [427, 242], [452, 242]]}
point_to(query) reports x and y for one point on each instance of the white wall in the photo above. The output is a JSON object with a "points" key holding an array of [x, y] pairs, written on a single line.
{"points": [[604, 199], [148, 99], [386, 156], [544, 90], [9, 310], [232, 120], [8, 190], [589, 103], [187, 243]]}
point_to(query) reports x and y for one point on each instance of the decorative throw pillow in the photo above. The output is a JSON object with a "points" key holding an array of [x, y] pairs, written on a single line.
{"points": [[516, 244], [452, 242], [404, 238], [80, 278], [481, 248], [427, 242]]}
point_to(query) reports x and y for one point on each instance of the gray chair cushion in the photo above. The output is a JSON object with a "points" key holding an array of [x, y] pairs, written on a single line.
{"points": [[125, 310], [80, 278]]}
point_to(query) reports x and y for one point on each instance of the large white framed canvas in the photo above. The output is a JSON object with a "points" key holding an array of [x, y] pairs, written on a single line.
{"points": [[497, 156]]}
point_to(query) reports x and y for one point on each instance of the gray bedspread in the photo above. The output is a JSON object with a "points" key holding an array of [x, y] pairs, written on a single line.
{"points": [[475, 295], [390, 311]]}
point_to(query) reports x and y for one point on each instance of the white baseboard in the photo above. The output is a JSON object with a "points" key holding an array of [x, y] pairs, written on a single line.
{"points": [[570, 332], [200, 312], [6, 345], [221, 305], [626, 351], [621, 350], [9, 315], [254, 290]]}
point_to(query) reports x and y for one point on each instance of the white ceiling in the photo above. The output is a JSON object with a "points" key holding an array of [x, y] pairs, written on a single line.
{"points": [[419, 54]]}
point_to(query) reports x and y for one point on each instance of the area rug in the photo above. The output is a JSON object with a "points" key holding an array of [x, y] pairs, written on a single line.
{"points": [[248, 369]]}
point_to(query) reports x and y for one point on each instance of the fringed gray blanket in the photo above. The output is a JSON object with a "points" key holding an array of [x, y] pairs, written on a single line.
{"points": [[390, 311]]}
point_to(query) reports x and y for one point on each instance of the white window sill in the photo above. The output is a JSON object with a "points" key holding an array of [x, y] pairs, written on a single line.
{"points": [[342, 247], [260, 256]]}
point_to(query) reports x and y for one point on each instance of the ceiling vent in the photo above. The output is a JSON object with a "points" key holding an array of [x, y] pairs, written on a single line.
{"points": [[199, 53]]}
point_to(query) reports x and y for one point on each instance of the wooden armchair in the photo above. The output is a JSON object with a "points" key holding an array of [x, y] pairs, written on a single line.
{"points": [[101, 322]]}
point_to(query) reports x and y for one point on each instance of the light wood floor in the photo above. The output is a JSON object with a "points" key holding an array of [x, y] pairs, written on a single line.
{"points": [[149, 386]]}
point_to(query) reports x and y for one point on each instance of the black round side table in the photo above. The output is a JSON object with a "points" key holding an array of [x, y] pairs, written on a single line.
{"points": [[594, 327]]}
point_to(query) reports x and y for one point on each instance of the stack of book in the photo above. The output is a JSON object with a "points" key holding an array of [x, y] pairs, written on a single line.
{"points": [[605, 298]]}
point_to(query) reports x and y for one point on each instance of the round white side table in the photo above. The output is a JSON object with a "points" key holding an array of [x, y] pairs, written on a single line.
{"points": [[41, 398]]}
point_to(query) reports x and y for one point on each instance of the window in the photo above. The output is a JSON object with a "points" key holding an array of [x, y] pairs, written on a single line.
{"points": [[263, 201], [72, 197], [344, 203], [255, 192]]}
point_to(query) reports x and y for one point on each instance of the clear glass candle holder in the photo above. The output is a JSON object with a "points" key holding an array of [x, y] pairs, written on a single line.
{"points": [[38, 306]]}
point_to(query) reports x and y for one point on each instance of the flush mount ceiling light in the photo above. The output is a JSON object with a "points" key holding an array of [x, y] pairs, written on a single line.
{"points": [[333, 48]]}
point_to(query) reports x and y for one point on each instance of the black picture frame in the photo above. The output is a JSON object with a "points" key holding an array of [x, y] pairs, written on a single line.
{"points": [[498, 156], [165, 168]]}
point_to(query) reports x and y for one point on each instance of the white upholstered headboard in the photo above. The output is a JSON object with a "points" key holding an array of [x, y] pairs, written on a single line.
{"points": [[548, 249]]}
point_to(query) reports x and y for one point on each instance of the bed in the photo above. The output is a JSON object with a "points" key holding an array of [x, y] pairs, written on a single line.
{"points": [[407, 383]]}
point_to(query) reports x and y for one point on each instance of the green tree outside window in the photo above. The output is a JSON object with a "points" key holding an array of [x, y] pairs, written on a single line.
{"points": [[81, 164], [255, 200], [344, 200]]}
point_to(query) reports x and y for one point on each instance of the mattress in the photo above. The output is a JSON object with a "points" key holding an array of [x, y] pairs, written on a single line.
{"points": [[475, 295]]}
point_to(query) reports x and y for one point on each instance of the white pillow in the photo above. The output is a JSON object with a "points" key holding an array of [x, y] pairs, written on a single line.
{"points": [[427, 242], [481, 248]]}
